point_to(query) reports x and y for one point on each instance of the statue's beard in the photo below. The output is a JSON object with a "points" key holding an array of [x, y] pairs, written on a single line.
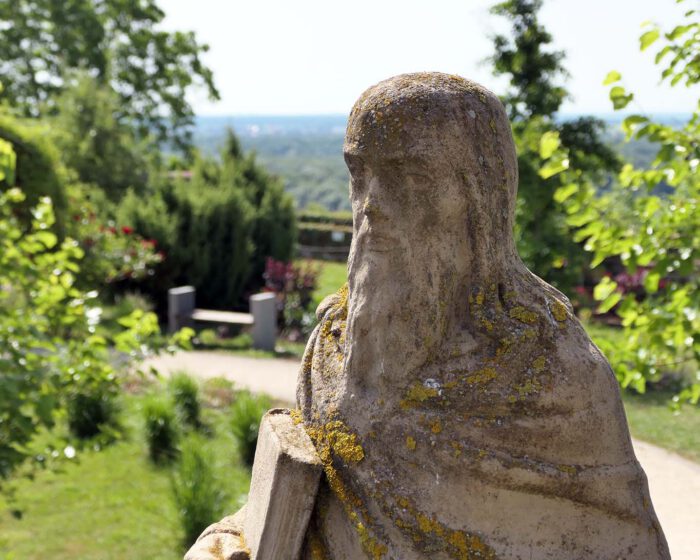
{"points": [[397, 315]]}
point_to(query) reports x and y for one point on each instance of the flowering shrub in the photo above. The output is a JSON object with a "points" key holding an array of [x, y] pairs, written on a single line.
{"points": [[294, 284], [111, 252]]}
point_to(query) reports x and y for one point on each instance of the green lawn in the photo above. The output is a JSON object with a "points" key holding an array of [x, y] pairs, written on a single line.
{"points": [[112, 505], [651, 419], [332, 276]]}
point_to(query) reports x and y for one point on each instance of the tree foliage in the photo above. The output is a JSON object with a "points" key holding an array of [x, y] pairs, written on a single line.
{"points": [[216, 228], [37, 169], [119, 43], [51, 347], [103, 150], [535, 94], [650, 222]]}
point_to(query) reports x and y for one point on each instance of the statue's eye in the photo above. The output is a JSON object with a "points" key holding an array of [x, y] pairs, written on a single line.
{"points": [[355, 165]]}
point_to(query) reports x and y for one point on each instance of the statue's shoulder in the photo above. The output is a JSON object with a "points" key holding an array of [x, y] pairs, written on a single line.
{"points": [[333, 304]]}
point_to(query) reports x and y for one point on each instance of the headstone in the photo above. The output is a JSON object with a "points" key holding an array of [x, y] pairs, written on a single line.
{"points": [[263, 307], [181, 302], [458, 407]]}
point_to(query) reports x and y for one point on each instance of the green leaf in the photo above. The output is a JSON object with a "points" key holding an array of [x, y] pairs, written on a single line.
{"points": [[620, 97], [651, 282], [549, 143], [662, 53], [678, 31], [47, 238], [648, 38], [630, 122], [553, 167], [603, 290], [612, 77], [562, 193], [609, 302]]}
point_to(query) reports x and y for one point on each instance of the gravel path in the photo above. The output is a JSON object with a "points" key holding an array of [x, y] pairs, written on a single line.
{"points": [[674, 482]]}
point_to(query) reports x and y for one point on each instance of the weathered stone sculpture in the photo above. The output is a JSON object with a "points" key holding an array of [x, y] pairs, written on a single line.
{"points": [[458, 407]]}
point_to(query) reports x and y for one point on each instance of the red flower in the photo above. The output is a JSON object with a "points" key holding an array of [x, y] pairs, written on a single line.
{"points": [[127, 230]]}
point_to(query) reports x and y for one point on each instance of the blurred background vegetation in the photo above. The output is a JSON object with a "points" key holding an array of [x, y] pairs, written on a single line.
{"points": [[112, 191]]}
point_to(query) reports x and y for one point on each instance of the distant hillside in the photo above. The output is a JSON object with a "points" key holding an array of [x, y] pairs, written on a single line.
{"points": [[306, 151]]}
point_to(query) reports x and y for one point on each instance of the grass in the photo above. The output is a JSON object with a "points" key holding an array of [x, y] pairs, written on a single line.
{"points": [[332, 276], [241, 345], [652, 420], [111, 505]]}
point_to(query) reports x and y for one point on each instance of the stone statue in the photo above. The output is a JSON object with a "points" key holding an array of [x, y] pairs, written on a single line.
{"points": [[458, 407]]}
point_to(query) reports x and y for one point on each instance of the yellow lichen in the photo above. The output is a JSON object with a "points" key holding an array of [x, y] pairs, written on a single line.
{"points": [[568, 469], [372, 546], [422, 527], [436, 426], [295, 415], [559, 311], [411, 443], [316, 547], [344, 443], [217, 549], [538, 363], [418, 393], [523, 315], [482, 376], [528, 387]]}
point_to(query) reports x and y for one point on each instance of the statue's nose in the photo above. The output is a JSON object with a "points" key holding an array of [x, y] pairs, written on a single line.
{"points": [[374, 204]]}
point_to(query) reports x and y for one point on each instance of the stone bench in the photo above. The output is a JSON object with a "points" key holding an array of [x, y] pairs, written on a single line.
{"points": [[262, 317]]}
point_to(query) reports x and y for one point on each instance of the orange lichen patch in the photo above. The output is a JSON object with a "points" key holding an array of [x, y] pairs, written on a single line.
{"points": [[436, 426], [559, 311], [411, 443], [482, 376], [523, 315]]}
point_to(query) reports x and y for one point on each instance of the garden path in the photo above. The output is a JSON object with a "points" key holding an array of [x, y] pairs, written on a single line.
{"points": [[674, 482]]}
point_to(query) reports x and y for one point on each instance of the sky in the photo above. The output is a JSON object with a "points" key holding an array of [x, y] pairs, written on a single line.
{"points": [[282, 57]]}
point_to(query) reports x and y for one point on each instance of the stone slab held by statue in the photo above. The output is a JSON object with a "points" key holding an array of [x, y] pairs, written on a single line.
{"points": [[457, 406]]}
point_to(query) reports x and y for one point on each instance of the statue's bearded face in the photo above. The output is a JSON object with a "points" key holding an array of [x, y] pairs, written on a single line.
{"points": [[408, 234]]}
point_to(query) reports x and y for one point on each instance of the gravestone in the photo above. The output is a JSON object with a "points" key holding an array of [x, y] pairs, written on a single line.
{"points": [[458, 407]]}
